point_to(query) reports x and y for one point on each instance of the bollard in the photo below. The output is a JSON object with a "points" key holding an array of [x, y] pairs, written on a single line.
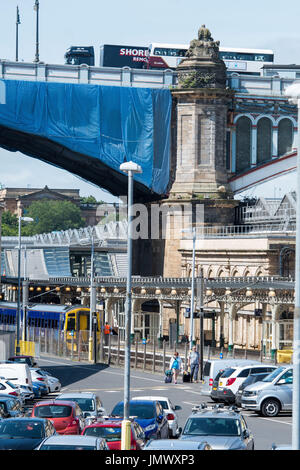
{"points": [[164, 356], [136, 354], [153, 365], [145, 351]]}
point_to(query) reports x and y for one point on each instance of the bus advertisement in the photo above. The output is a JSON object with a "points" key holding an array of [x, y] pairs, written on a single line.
{"points": [[134, 57]]}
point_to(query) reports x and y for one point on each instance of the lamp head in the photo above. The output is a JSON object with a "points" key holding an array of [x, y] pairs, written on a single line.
{"points": [[126, 167]]}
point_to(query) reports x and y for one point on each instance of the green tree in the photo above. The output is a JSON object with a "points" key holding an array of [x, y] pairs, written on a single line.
{"points": [[50, 216], [9, 225]]}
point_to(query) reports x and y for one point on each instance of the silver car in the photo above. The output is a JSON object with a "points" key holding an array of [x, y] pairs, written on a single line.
{"points": [[73, 442], [272, 395], [89, 403], [222, 428], [171, 444]]}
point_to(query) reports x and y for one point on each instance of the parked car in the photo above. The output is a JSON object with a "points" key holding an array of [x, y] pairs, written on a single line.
{"points": [[36, 375], [66, 416], [169, 411], [8, 388], [233, 377], [26, 393], [52, 382], [42, 386], [214, 389], [29, 360], [170, 444], [10, 408], [24, 433], [17, 373], [149, 414], [89, 403], [15, 398], [212, 367], [73, 443], [110, 430], [272, 395], [36, 390], [251, 379], [222, 429]]}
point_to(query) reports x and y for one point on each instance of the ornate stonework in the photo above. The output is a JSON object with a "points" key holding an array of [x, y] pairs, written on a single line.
{"points": [[202, 67]]}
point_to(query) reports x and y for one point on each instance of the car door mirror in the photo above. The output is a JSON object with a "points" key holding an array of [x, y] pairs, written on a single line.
{"points": [[159, 418], [100, 411], [246, 434], [177, 408]]}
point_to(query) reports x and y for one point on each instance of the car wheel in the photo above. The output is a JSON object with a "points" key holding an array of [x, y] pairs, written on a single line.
{"points": [[270, 407]]}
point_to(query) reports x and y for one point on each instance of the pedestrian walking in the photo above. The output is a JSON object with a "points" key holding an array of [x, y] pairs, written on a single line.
{"points": [[107, 332], [175, 366], [193, 363]]}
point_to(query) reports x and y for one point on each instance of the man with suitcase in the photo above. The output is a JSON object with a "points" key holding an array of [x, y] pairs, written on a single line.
{"points": [[193, 363]]}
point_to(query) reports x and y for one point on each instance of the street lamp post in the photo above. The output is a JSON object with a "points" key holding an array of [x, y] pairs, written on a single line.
{"points": [[192, 308], [293, 92], [130, 168], [36, 7], [93, 299], [17, 34], [24, 219]]}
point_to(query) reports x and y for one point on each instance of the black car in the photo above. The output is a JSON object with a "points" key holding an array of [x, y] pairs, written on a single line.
{"points": [[214, 388], [251, 379], [10, 408], [24, 433]]}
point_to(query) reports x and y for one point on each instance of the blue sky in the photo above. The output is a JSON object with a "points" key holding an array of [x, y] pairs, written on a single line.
{"points": [[270, 24]]}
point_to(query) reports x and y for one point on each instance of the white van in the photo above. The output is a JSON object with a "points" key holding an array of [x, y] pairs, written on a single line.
{"points": [[212, 367], [16, 373]]}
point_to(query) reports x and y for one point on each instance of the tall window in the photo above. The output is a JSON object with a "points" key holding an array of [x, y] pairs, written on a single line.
{"points": [[243, 144], [264, 140], [285, 136]]}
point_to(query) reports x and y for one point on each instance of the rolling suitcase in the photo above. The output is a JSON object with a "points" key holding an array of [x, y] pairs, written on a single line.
{"points": [[186, 377], [168, 376]]}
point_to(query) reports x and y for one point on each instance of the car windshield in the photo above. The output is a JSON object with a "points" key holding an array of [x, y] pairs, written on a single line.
{"points": [[212, 427], [21, 429], [140, 410], [66, 447], [108, 432], [86, 404], [53, 411], [274, 374]]}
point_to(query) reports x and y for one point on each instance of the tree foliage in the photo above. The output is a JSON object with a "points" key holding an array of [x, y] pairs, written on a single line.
{"points": [[48, 216]]}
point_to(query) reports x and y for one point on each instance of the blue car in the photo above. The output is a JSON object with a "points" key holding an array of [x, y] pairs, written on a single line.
{"points": [[149, 414], [36, 390], [39, 387]]}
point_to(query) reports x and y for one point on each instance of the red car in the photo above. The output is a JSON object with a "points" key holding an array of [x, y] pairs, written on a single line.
{"points": [[110, 430], [66, 416]]}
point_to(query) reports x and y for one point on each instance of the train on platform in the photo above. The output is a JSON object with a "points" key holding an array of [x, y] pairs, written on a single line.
{"points": [[69, 319]]}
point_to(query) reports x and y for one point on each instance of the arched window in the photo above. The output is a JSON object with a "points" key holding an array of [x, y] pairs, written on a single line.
{"points": [[243, 144], [285, 136], [264, 140]]}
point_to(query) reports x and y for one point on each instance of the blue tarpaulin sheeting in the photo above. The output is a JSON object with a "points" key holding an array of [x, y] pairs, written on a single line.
{"points": [[107, 123]]}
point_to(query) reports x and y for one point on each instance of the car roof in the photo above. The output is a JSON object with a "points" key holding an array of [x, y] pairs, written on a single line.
{"points": [[76, 395], [72, 439], [151, 398], [105, 424], [26, 418], [170, 444], [231, 412], [53, 402]]}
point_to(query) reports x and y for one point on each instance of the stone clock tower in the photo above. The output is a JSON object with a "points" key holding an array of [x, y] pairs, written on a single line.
{"points": [[202, 102]]}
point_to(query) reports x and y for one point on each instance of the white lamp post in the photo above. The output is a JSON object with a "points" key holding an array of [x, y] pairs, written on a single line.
{"points": [[193, 231], [24, 219], [293, 92], [130, 168], [92, 294]]}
